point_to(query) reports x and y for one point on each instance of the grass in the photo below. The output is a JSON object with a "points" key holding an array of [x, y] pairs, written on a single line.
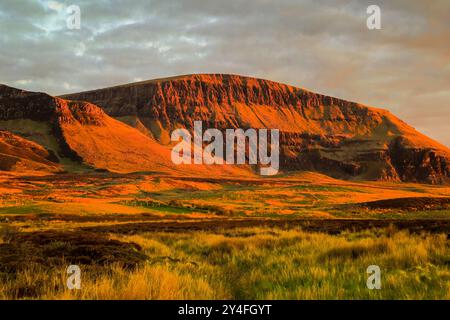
{"points": [[177, 207], [255, 263], [22, 209], [393, 214], [325, 188]]}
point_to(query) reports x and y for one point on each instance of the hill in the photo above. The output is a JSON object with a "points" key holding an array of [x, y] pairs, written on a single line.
{"points": [[318, 133]]}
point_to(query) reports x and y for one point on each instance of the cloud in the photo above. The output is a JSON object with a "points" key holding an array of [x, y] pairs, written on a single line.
{"points": [[321, 45], [54, 5], [23, 82]]}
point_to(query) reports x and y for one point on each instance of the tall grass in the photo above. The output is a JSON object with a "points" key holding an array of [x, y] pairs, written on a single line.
{"points": [[258, 263]]}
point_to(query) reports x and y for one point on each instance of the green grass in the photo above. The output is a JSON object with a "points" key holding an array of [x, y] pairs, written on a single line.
{"points": [[175, 208], [22, 209], [323, 188]]}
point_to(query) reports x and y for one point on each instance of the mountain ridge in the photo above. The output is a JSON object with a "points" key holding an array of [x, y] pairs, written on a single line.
{"points": [[318, 132]]}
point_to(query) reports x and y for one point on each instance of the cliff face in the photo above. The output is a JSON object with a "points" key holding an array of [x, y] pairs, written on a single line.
{"points": [[336, 137], [225, 100]]}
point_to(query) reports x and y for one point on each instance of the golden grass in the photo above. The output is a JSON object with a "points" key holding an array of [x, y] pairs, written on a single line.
{"points": [[257, 263]]}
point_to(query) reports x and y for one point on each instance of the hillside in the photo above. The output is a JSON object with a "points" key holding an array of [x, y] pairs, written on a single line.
{"points": [[17, 153], [59, 134], [318, 133]]}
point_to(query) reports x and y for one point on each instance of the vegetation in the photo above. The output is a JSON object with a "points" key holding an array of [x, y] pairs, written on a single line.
{"points": [[253, 263], [141, 236]]}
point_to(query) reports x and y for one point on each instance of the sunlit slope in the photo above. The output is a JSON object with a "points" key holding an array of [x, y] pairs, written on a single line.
{"points": [[17, 153], [106, 143]]}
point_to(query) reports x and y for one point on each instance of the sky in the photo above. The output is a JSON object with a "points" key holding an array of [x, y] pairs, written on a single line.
{"points": [[322, 45]]}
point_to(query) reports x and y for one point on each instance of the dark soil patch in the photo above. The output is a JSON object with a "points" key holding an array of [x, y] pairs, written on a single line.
{"points": [[118, 217], [52, 249], [409, 204], [330, 226]]}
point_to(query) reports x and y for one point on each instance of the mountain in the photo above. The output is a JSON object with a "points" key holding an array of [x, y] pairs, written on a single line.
{"points": [[39, 132], [318, 133]]}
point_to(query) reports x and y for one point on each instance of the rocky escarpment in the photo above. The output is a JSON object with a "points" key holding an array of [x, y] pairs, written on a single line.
{"points": [[220, 101], [318, 132]]}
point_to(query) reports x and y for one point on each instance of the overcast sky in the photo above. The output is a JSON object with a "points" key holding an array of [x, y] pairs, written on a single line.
{"points": [[321, 45]]}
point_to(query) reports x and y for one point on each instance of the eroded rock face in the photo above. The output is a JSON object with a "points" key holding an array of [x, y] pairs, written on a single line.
{"points": [[418, 164], [336, 137], [20, 104]]}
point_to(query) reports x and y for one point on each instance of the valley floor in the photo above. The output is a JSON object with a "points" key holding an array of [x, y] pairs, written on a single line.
{"points": [[145, 236]]}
